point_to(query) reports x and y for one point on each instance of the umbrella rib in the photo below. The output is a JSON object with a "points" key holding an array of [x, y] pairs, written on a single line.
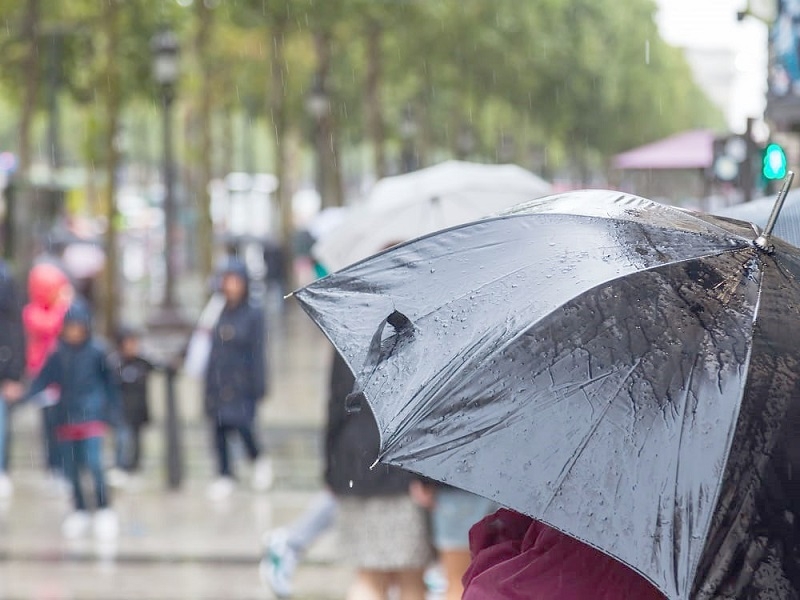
{"points": [[716, 498], [448, 445], [519, 211], [410, 420], [525, 266], [522, 331], [587, 437], [677, 470]]}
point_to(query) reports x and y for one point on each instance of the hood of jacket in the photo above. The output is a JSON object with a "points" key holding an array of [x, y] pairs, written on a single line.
{"points": [[45, 283], [79, 312], [237, 268]]}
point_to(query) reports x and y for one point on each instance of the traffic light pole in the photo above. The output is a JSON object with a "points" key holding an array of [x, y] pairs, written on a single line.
{"points": [[747, 173]]}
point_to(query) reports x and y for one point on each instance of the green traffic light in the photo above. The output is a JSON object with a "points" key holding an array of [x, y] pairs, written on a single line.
{"points": [[774, 162]]}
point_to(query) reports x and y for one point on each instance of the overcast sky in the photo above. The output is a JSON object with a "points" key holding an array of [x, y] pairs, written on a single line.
{"points": [[713, 24]]}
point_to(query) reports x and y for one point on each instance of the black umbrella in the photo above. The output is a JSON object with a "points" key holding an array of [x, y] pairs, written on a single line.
{"points": [[624, 371]]}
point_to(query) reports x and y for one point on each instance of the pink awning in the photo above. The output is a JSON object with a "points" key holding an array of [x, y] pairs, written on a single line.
{"points": [[687, 150]]}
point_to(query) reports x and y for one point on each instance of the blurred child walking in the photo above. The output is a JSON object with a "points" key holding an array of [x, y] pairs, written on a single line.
{"points": [[89, 399], [132, 370]]}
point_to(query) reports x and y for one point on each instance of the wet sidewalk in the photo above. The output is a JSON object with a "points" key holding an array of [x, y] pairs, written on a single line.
{"points": [[171, 545], [181, 545]]}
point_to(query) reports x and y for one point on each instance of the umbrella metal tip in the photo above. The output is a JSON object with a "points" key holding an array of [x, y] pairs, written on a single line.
{"points": [[762, 243]]}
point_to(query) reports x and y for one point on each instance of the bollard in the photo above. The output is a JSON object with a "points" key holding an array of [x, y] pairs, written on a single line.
{"points": [[172, 431]]}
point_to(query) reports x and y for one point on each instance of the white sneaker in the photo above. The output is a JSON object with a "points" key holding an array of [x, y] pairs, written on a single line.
{"points": [[278, 564], [263, 476], [221, 489], [106, 524], [76, 525], [117, 478], [6, 487], [57, 485], [436, 580]]}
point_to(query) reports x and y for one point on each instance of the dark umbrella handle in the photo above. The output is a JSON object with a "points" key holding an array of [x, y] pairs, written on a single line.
{"points": [[378, 352], [404, 329]]}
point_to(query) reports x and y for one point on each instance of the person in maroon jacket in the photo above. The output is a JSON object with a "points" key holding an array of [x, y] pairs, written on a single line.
{"points": [[515, 557]]}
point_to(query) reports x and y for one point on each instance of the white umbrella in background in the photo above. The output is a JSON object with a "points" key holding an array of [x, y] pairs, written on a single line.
{"points": [[327, 220], [408, 206], [83, 260]]}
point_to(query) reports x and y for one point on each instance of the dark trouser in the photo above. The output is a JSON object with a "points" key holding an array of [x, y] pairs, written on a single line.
{"points": [[52, 447], [222, 433], [128, 440], [85, 454], [135, 451]]}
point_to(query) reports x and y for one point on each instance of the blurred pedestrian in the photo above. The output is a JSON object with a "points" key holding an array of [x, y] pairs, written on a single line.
{"points": [[453, 513], [49, 295], [274, 261], [89, 399], [382, 531], [236, 380], [515, 557], [133, 371], [12, 365], [285, 547]]}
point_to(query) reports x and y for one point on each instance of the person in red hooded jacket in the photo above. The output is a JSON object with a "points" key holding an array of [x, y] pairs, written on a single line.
{"points": [[515, 557], [49, 296]]}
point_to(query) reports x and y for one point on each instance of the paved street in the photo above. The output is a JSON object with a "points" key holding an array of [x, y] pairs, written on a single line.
{"points": [[181, 545]]}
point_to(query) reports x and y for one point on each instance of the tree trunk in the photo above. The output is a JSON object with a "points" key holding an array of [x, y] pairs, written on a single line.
{"points": [[327, 145], [205, 228], [278, 113], [425, 137], [113, 102], [336, 160], [228, 142], [24, 210], [376, 127]]}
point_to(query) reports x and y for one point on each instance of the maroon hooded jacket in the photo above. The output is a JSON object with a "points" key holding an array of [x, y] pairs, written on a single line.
{"points": [[517, 558]]}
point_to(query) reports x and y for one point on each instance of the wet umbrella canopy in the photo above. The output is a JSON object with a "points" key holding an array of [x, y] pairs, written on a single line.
{"points": [[624, 371]]}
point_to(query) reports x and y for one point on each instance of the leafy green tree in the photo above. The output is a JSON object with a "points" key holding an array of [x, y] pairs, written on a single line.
{"points": [[573, 81]]}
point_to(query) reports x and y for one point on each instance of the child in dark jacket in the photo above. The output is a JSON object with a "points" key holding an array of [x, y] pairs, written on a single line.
{"points": [[89, 400], [133, 371]]}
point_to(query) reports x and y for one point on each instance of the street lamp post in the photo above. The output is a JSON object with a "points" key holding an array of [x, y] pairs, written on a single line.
{"points": [[168, 319], [165, 72]]}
